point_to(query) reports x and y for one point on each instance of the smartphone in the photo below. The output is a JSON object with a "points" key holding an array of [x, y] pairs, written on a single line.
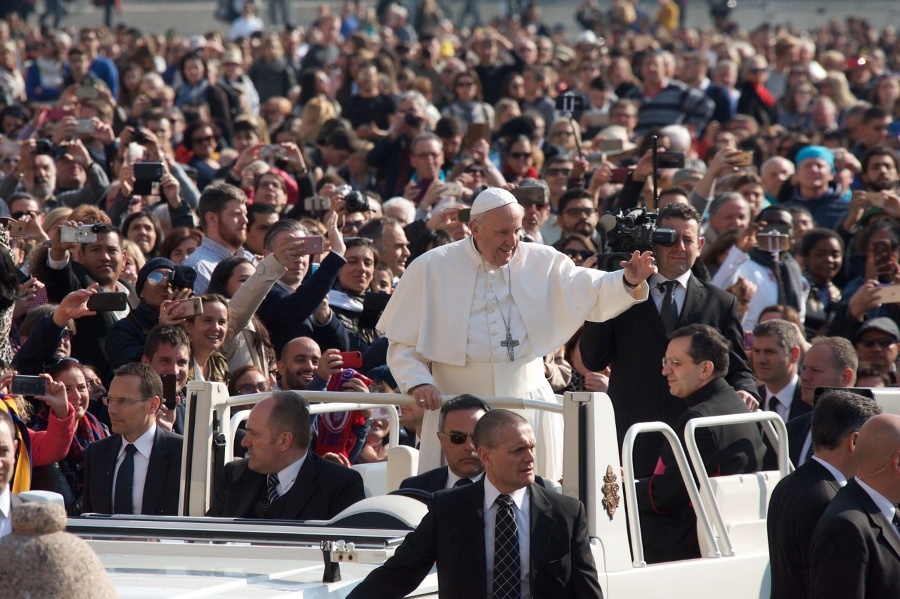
{"points": [[316, 203], [776, 238], [743, 159], [86, 92], [28, 385], [620, 175], [569, 102], [84, 126], [450, 188], [14, 227], [595, 158], [8, 146], [192, 306], [608, 145], [170, 390], [110, 301], [351, 359], [875, 198], [314, 244], [475, 132], [145, 175], [884, 262], [670, 159], [82, 234], [57, 114], [270, 153]]}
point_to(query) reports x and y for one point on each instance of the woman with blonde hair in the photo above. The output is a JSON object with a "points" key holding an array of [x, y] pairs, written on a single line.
{"points": [[315, 113], [566, 134], [836, 87]]}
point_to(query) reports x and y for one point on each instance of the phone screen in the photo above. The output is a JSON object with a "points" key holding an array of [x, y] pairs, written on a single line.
{"points": [[170, 390]]}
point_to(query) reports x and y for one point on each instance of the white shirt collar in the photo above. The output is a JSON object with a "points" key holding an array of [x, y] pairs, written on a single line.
{"points": [[452, 478], [491, 493], [5, 502], [785, 395], [883, 503], [657, 278], [838, 476], [288, 476], [144, 443]]}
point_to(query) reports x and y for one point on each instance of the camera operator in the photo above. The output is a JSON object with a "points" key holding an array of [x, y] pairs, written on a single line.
{"points": [[36, 173], [101, 261], [391, 155], [638, 390]]}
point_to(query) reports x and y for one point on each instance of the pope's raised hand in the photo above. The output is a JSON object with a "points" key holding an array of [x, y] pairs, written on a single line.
{"points": [[639, 267]]}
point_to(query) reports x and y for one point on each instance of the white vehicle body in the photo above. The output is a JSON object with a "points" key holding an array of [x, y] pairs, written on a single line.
{"points": [[193, 556]]}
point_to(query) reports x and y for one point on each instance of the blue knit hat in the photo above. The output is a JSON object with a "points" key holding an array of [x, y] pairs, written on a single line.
{"points": [[149, 267], [820, 152]]}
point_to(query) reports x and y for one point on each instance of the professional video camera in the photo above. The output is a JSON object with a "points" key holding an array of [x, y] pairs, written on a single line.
{"points": [[625, 233]]}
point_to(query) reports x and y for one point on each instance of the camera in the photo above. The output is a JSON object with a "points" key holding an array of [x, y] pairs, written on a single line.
{"points": [[413, 121], [636, 230], [356, 201], [48, 148], [145, 175], [139, 137], [183, 277], [316, 203]]}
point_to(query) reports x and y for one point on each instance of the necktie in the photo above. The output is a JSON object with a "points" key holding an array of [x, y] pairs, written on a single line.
{"points": [[773, 403], [809, 452], [462, 482], [124, 503], [271, 490], [669, 310], [507, 568]]}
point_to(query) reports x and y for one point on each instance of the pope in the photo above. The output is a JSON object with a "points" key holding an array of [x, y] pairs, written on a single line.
{"points": [[478, 315]]}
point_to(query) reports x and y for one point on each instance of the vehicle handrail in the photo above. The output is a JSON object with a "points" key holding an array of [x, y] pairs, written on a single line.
{"points": [[393, 433], [634, 521], [764, 417]]}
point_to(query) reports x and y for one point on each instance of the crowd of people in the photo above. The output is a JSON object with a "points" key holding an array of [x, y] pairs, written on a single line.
{"points": [[255, 197]]}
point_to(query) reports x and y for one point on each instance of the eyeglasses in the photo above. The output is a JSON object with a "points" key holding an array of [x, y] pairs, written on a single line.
{"points": [[354, 224], [157, 278], [583, 254], [59, 362], [671, 362], [122, 401], [555, 172], [579, 211], [882, 343], [456, 437], [249, 388], [520, 155], [200, 140]]}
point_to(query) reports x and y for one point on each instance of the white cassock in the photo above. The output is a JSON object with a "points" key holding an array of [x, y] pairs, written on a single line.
{"points": [[445, 315]]}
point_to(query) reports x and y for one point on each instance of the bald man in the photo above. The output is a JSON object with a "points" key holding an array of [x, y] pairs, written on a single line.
{"points": [[855, 551]]}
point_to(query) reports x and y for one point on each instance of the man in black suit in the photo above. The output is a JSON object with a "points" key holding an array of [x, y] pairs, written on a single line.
{"points": [[476, 533], [138, 469], [829, 362], [694, 366], [99, 262], [799, 500], [637, 388], [776, 356], [456, 430], [281, 479], [855, 550]]}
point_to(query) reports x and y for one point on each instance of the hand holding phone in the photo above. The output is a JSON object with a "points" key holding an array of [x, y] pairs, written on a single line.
{"points": [[351, 359], [108, 302]]}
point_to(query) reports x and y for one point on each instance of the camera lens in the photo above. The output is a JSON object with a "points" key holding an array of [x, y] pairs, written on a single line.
{"points": [[356, 202], [183, 277]]}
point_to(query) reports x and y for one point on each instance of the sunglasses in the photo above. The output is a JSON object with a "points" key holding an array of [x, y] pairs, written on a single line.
{"points": [[456, 438], [555, 172], [157, 278], [520, 155], [250, 388], [883, 343], [583, 254]]}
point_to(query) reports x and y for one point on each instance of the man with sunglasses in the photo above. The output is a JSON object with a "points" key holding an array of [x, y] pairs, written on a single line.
{"points": [[137, 470], [877, 345], [537, 207], [456, 428]]}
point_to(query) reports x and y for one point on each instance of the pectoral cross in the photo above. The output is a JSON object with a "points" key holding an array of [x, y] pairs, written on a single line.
{"points": [[510, 344]]}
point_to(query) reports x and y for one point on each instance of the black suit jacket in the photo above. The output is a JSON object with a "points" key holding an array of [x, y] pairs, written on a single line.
{"points": [[668, 521], [161, 486], [634, 342], [798, 408], [797, 430], [322, 490], [89, 345], [436, 480], [452, 534], [797, 503], [855, 551]]}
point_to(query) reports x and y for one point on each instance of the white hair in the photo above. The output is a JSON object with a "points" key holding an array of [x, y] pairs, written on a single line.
{"points": [[400, 208], [777, 160], [679, 136]]}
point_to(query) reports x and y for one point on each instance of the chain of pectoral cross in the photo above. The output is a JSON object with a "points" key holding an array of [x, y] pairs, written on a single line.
{"points": [[509, 343]]}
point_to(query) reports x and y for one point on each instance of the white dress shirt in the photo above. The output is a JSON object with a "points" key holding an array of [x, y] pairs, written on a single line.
{"points": [[522, 501], [659, 294], [5, 511], [452, 479], [837, 474], [144, 446], [883, 504], [288, 476], [785, 398]]}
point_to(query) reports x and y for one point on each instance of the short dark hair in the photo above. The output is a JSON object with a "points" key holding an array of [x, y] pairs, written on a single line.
{"points": [[784, 331], [374, 229], [104, 229], [341, 139], [218, 280], [151, 384], [875, 113], [447, 127], [215, 197], [169, 334], [879, 151], [816, 235], [290, 413], [461, 402], [678, 210], [285, 224], [257, 208], [839, 413], [571, 195], [488, 427], [706, 344]]}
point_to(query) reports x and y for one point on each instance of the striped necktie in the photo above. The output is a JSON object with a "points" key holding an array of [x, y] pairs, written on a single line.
{"points": [[271, 490]]}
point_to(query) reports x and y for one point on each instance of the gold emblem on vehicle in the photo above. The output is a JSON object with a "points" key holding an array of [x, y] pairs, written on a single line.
{"points": [[610, 492]]}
